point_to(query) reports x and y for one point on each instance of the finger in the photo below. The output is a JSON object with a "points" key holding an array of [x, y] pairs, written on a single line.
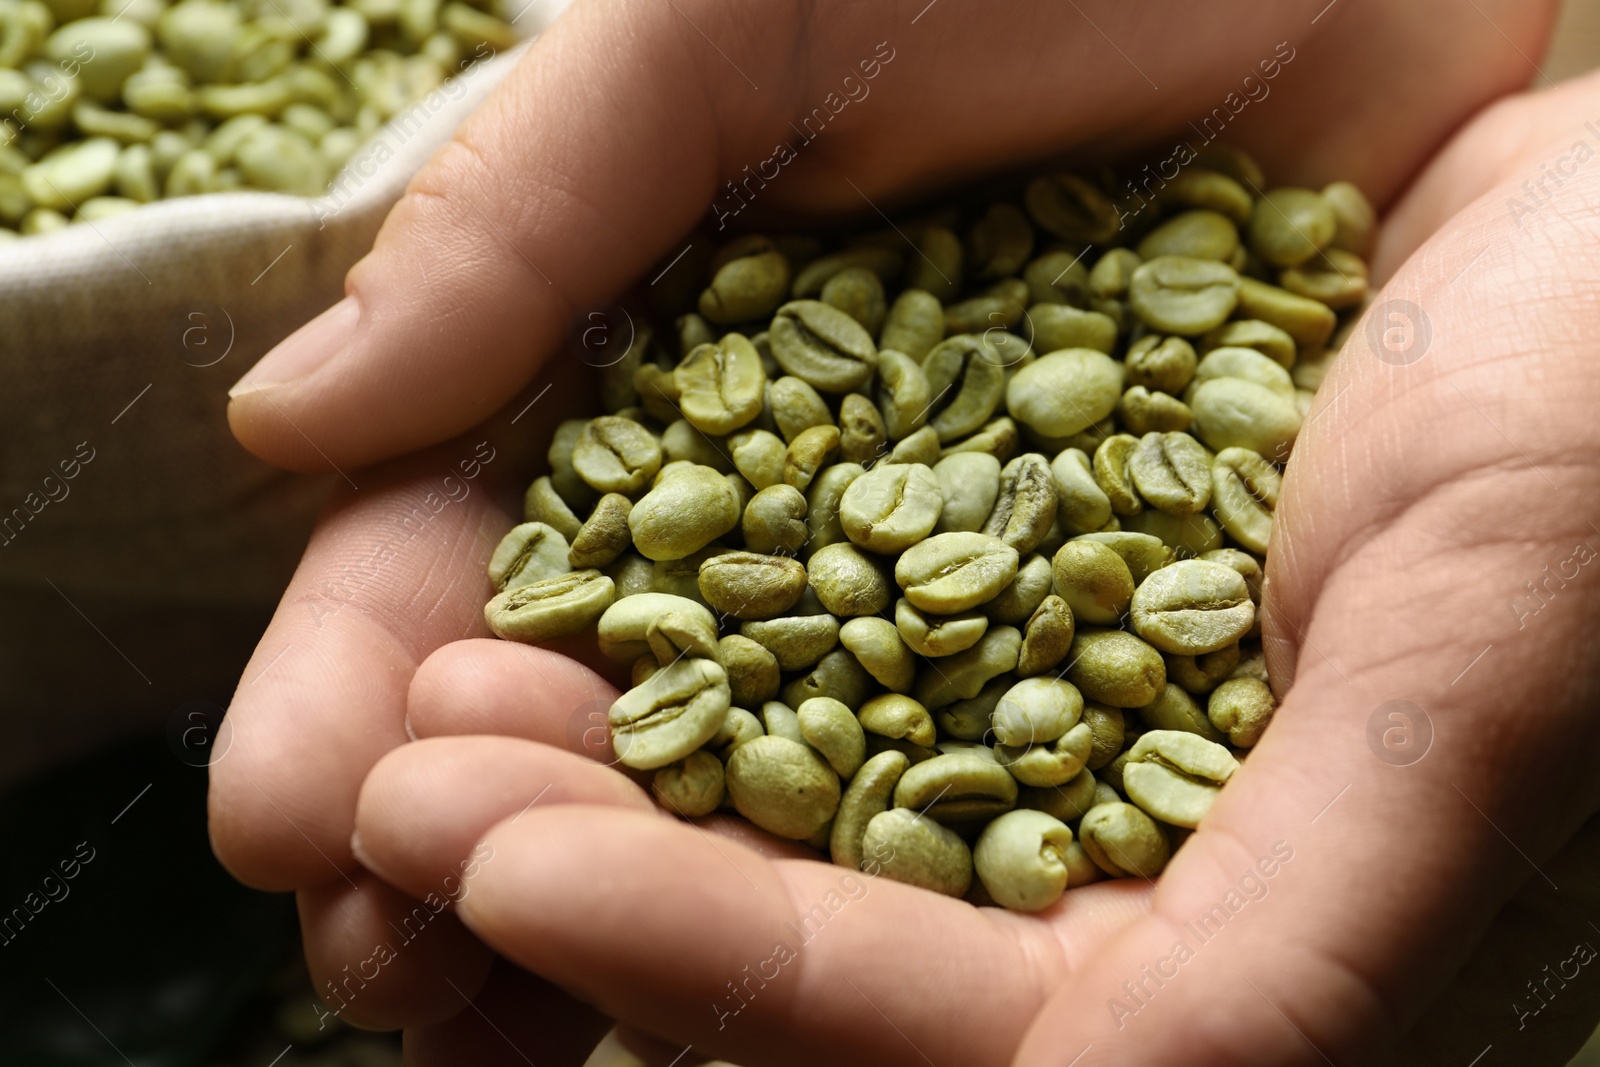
{"points": [[380, 959], [701, 941], [1504, 144], [516, 1019], [1410, 514], [514, 690], [424, 805], [394, 570]]}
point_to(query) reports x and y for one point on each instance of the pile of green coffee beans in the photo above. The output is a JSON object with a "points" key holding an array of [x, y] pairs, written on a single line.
{"points": [[940, 548], [109, 104]]}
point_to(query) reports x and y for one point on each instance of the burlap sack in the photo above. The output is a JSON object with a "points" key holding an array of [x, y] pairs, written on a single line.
{"points": [[141, 549]]}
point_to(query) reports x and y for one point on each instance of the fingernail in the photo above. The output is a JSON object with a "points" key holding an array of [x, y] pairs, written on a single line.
{"points": [[355, 848], [303, 351]]}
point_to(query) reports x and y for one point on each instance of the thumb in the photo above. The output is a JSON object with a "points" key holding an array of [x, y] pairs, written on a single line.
{"points": [[533, 209]]}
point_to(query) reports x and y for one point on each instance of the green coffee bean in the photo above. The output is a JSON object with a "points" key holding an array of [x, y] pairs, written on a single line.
{"points": [[775, 521], [720, 386], [1094, 581], [1072, 208], [969, 483], [919, 447], [862, 434], [623, 628], [1107, 730], [528, 553], [1123, 841], [1289, 226], [1048, 763], [848, 581], [1020, 858], [999, 243], [878, 647], [1193, 234], [831, 728], [749, 585], [1309, 322], [1176, 776], [796, 407], [822, 346], [1241, 708], [676, 710], [782, 786], [810, 451], [72, 174], [886, 263], [857, 292], [868, 795], [1143, 553], [966, 380], [997, 438], [1065, 392], [1186, 535], [891, 507], [1245, 363], [1332, 277], [1203, 673], [1046, 638], [1175, 709], [1172, 472], [1177, 294], [605, 534], [1191, 607], [553, 607], [1166, 364], [952, 572], [1057, 278], [1025, 506], [1235, 413], [1264, 337], [915, 324], [1052, 327], [823, 526], [753, 675], [1082, 506], [758, 455], [1245, 489], [902, 393], [899, 717], [1144, 412], [686, 511], [1036, 710], [751, 280], [797, 641], [780, 720], [1354, 218], [907, 847], [681, 577], [934, 264], [543, 504], [1115, 667], [938, 635], [615, 455], [957, 788], [691, 787]]}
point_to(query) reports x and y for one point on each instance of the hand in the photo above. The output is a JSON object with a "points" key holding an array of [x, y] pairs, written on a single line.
{"points": [[379, 590], [1426, 905]]}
